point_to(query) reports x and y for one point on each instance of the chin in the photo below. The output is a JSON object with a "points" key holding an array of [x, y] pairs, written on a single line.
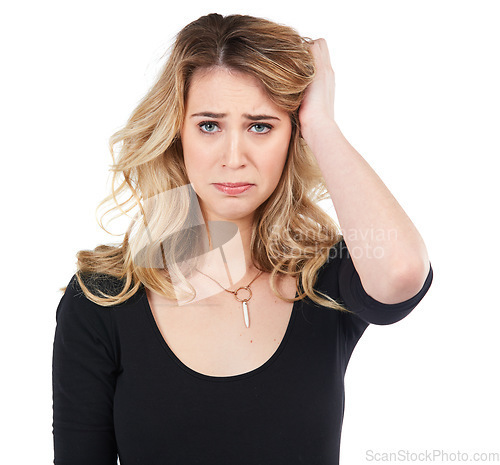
{"points": [[232, 214]]}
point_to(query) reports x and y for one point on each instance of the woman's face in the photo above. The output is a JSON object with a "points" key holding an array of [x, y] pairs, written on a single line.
{"points": [[232, 133]]}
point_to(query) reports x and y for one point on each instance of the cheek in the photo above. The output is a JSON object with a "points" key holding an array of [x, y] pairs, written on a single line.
{"points": [[194, 170], [279, 157], [191, 163], [274, 165], [280, 149], [193, 154], [284, 141]]}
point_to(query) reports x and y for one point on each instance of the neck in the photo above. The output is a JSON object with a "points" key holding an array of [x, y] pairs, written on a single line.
{"points": [[234, 256], [227, 264]]}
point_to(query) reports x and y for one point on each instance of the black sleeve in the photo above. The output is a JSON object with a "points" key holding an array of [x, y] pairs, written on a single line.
{"points": [[362, 304], [83, 381]]}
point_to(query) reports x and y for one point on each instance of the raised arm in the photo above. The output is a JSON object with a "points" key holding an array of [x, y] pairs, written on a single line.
{"points": [[387, 250]]}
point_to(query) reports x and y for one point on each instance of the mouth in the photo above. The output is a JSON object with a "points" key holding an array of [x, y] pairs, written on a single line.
{"points": [[234, 184], [233, 188]]}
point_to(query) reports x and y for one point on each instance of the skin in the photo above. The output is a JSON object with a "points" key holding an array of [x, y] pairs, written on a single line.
{"points": [[233, 148]]}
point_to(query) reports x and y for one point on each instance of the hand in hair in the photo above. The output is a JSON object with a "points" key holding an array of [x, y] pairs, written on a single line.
{"points": [[316, 108]]}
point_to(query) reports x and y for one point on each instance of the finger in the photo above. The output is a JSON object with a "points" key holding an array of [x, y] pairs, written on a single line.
{"points": [[321, 55], [324, 53]]}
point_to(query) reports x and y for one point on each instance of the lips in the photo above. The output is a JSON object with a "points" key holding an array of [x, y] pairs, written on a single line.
{"points": [[234, 184], [233, 188]]}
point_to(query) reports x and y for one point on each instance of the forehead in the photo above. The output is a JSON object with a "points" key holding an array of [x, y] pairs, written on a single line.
{"points": [[220, 87]]}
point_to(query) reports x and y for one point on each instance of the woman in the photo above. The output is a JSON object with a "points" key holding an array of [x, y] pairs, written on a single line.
{"points": [[220, 330]]}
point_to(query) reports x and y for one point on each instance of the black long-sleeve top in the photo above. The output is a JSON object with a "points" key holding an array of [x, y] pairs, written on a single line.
{"points": [[120, 392]]}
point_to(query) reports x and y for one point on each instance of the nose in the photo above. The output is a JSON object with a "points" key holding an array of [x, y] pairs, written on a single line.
{"points": [[233, 151]]}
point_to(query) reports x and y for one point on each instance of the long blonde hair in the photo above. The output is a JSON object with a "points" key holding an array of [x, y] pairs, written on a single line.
{"points": [[292, 234]]}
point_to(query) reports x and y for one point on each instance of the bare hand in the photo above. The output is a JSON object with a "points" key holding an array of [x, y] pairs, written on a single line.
{"points": [[317, 106]]}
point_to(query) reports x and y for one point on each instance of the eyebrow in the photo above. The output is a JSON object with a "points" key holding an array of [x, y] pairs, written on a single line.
{"points": [[208, 114]]}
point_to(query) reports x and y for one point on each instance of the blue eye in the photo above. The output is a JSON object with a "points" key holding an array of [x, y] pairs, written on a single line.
{"points": [[209, 126], [262, 128]]}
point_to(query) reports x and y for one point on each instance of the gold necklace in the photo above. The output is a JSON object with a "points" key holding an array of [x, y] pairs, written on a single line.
{"points": [[235, 293]]}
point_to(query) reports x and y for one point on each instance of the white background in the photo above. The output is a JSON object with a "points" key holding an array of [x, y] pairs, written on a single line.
{"points": [[417, 94]]}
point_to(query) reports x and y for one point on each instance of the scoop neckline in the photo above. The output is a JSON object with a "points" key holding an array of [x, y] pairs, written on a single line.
{"points": [[219, 379]]}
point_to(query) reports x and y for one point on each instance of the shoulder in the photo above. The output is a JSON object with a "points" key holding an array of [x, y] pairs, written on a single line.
{"points": [[77, 310], [98, 284], [336, 255], [342, 280], [84, 329]]}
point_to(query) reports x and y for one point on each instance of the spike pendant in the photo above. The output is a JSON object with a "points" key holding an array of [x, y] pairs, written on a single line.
{"points": [[245, 313]]}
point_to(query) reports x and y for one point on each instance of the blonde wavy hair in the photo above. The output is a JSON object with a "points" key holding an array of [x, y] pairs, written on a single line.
{"points": [[291, 235]]}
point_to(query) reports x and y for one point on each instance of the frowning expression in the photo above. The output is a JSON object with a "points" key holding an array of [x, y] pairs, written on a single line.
{"points": [[233, 133]]}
